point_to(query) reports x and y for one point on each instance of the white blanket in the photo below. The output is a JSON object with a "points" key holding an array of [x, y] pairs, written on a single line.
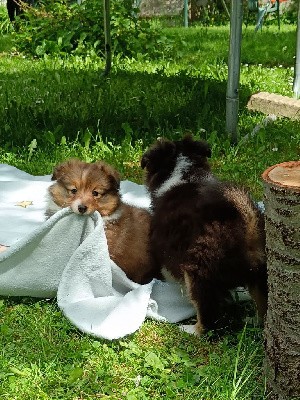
{"points": [[67, 256]]}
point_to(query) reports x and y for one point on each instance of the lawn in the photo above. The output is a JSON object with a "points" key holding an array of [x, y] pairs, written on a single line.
{"points": [[53, 109]]}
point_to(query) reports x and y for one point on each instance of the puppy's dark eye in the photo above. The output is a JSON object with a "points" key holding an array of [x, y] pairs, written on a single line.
{"points": [[73, 191], [95, 193]]}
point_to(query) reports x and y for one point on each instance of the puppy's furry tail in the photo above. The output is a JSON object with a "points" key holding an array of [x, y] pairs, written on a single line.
{"points": [[254, 223]]}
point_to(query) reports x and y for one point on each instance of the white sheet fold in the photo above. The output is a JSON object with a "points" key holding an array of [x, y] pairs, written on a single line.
{"points": [[67, 256]]}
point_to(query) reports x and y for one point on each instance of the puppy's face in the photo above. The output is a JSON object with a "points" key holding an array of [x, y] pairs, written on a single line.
{"points": [[160, 160], [86, 187]]}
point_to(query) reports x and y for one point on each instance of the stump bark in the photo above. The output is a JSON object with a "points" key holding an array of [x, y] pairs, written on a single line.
{"points": [[282, 329]]}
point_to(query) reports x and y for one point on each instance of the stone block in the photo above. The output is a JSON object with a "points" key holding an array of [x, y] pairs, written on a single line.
{"points": [[271, 103]]}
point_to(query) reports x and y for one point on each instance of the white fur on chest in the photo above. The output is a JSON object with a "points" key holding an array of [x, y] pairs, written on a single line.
{"points": [[176, 178], [113, 217], [52, 207]]}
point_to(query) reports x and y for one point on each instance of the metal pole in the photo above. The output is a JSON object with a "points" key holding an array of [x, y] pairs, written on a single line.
{"points": [[296, 86], [107, 36], [278, 13], [225, 8], [232, 94], [186, 13]]}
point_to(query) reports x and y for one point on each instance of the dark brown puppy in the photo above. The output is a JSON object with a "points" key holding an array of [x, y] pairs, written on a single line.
{"points": [[90, 187], [205, 233]]}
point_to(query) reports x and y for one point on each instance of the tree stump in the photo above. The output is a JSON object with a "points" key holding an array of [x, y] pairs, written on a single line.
{"points": [[282, 329]]}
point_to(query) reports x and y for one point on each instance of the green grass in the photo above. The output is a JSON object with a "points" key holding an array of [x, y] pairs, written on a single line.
{"points": [[165, 94], [45, 357], [269, 47], [53, 109]]}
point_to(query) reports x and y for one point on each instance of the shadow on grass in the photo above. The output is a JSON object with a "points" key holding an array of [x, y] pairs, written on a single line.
{"points": [[68, 103]]}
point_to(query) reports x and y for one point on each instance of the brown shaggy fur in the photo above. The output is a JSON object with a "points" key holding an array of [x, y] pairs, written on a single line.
{"points": [[90, 187], [205, 233]]}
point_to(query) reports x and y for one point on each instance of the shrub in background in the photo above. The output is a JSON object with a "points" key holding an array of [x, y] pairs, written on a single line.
{"points": [[290, 15], [63, 27], [213, 13]]}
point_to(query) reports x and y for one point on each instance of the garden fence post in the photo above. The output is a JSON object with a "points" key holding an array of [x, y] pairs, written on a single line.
{"points": [[296, 87], [232, 94], [107, 36], [186, 13]]}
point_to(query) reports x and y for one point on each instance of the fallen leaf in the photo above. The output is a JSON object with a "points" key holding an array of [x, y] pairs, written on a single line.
{"points": [[24, 203]]}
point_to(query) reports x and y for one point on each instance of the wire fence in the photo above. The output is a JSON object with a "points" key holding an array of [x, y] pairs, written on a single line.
{"points": [[206, 12], [179, 11]]}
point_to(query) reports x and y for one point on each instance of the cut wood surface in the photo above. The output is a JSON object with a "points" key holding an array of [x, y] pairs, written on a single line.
{"points": [[286, 175]]}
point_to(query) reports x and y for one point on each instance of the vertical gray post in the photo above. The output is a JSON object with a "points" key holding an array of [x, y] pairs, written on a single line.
{"points": [[232, 94], [278, 13], [296, 86], [225, 8], [186, 13], [107, 36]]}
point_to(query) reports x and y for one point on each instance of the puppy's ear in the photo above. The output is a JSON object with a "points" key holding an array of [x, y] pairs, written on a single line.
{"points": [[114, 177], [159, 155], [59, 171], [62, 168], [144, 161], [112, 174], [197, 147], [203, 148]]}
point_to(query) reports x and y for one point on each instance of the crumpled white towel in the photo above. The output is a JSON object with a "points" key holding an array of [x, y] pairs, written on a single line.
{"points": [[67, 256]]}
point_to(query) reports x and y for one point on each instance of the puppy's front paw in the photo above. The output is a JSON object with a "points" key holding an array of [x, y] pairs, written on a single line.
{"points": [[191, 329], [3, 247], [256, 322]]}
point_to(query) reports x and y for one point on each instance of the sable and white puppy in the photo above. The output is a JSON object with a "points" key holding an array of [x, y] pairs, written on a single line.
{"points": [[90, 187], [205, 233]]}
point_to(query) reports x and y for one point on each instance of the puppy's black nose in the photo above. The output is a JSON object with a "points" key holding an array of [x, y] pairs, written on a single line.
{"points": [[82, 209]]}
